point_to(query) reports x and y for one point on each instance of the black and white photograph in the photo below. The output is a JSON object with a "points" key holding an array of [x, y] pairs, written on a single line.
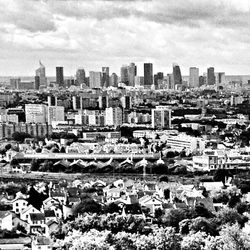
{"points": [[124, 125]]}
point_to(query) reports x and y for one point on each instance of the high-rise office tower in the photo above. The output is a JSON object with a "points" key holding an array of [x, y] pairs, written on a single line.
{"points": [[210, 76], [132, 71], [124, 74], [220, 78], [80, 76], [114, 80], [202, 80], [193, 77], [157, 77], [42, 76], [95, 79], [105, 77], [148, 75], [59, 76], [37, 82], [177, 74]]}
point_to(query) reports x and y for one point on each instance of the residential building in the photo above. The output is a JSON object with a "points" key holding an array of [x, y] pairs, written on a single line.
{"points": [[35, 113], [113, 116], [161, 117]]}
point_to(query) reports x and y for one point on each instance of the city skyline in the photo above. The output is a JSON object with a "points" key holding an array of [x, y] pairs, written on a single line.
{"points": [[95, 34]]}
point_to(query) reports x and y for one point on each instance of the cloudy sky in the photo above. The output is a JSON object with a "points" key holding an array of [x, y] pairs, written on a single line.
{"points": [[92, 34]]}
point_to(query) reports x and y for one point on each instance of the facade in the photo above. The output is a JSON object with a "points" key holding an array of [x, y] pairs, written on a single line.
{"points": [[184, 142], [80, 76], [105, 77], [113, 116], [59, 76], [210, 76], [139, 81], [148, 75], [95, 79], [161, 117], [114, 80], [35, 113], [55, 113], [157, 78], [177, 75], [132, 71], [193, 77], [126, 102], [124, 74], [77, 102], [40, 72]]}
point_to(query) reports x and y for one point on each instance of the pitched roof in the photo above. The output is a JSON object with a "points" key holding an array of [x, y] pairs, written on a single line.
{"points": [[41, 240], [49, 213], [37, 216]]}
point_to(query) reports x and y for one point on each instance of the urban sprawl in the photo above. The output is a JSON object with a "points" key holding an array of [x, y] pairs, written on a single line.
{"points": [[108, 161]]}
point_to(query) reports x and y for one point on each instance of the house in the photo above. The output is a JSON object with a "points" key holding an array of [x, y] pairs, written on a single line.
{"points": [[37, 223], [49, 202], [41, 243], [24, 215], [49, 215], [52, 226], [114, 193], [16, 222], [14, 243], [212, 186], [60, 196], [6, 220], [150, 202], [19, 205]]}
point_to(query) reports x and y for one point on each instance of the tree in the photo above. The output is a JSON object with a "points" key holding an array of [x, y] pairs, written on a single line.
{"points": [[112, 208], [20, 136], [87, 206], [34, 165], [221, 174]]}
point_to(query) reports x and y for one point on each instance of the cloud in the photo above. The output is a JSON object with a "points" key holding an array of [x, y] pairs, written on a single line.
{"points": [[112, 32]]}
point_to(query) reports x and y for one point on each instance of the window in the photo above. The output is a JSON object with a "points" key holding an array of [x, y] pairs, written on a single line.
{"points": [[17, 204]]}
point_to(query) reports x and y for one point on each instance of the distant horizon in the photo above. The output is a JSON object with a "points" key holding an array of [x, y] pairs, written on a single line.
{"points": [[98, 33]]}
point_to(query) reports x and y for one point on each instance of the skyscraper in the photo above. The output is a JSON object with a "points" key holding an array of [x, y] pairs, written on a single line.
{"points": [[159, 76], [177, 74], [42, 76], [148, 75], [105, 77], [59, 76], [37, 82], [95, 79], [114, 80], [193, 77], [80, 76], [124, 74], [210, 76], [132, 71]]}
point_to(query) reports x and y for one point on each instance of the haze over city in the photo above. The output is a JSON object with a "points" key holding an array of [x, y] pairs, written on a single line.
{"points": [[92, 34]]}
